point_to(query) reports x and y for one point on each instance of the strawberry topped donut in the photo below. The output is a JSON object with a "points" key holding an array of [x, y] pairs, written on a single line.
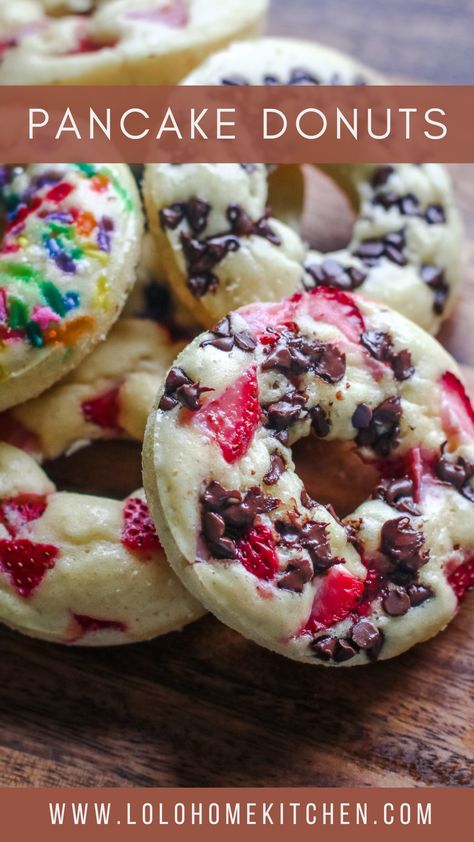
{"points": [[240, 528], [68, 256], [116, 42], [82, 570], [217, 235], [73, 568]]}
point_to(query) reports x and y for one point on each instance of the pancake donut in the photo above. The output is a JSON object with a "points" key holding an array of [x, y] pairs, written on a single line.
{"points": [[236, 521], [116, 42], [109, 395], [74, 568], [218, 242], [68, 257], [211, 223]]}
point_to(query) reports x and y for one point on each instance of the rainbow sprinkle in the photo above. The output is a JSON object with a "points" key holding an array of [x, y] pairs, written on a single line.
{"points": [[47, 240]]}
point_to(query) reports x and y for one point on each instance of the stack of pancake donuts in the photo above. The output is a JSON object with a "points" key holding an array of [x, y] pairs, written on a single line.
{"points": [[263, 343]]}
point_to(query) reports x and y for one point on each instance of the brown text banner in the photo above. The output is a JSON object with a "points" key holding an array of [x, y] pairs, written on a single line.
{"points": [[221, 124], [204, 815]]}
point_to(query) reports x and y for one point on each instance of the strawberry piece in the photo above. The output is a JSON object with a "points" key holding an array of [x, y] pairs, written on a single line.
{"points": [[336, 308], [233, 417], [462, 579], [373, 587], [322, 303], [257, 552], [175, 15], [104, 410], [26, 563], [138, 533], [260, 316], [457, 413], [338, 596], [16, 512], [92, 624]]}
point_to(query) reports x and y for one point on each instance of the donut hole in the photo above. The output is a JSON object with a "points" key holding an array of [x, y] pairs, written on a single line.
{"points": [[329, 211], [88, 471], [333, 473]]}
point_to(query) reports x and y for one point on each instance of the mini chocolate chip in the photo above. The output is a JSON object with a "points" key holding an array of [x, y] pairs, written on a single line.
{"points": [[320, 422], [402, 365], [435, 215], [330, 273], [190, 395], [245, 341], [435, 279], [387, 200], [362, 417], [365, 634], [396, 603], [381, 175], [331, 365], [344, 651], [375, 650], [279, 358], [395, 255], [223, 328], [234, 80], [203, 284], [395, 238], [213, 526], [224, 548], [313, 537], [176, 377], [398, 493], [324, 647], [370, 249], [382, 433], [402, 543], [241, 223], [171, 216], [419, 594], [215, 496], [378, 343], [222, 343], [380, 346], [197, 212], [409, 205], [454, 473], [300, 76], [277, 468], [297, 574], [167, 402]]}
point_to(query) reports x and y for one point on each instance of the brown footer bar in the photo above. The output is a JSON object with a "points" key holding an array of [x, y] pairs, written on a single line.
{"points": [[235, 814]]}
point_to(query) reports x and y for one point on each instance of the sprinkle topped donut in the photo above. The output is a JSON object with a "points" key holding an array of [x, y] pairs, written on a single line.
{"points": [[235, 518], [222, 246], [68, 256], [116, 42]]}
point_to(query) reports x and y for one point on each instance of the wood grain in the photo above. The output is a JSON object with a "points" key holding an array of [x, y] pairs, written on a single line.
{"points": [[204, 707]]}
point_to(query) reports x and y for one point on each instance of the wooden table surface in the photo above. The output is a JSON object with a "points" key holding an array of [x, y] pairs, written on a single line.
{"points": [[204, 707]]}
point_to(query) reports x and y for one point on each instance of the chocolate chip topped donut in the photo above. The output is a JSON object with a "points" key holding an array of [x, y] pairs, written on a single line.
{"points": [[116, 42], [215, 236], [218, 242], [236, 520]]}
